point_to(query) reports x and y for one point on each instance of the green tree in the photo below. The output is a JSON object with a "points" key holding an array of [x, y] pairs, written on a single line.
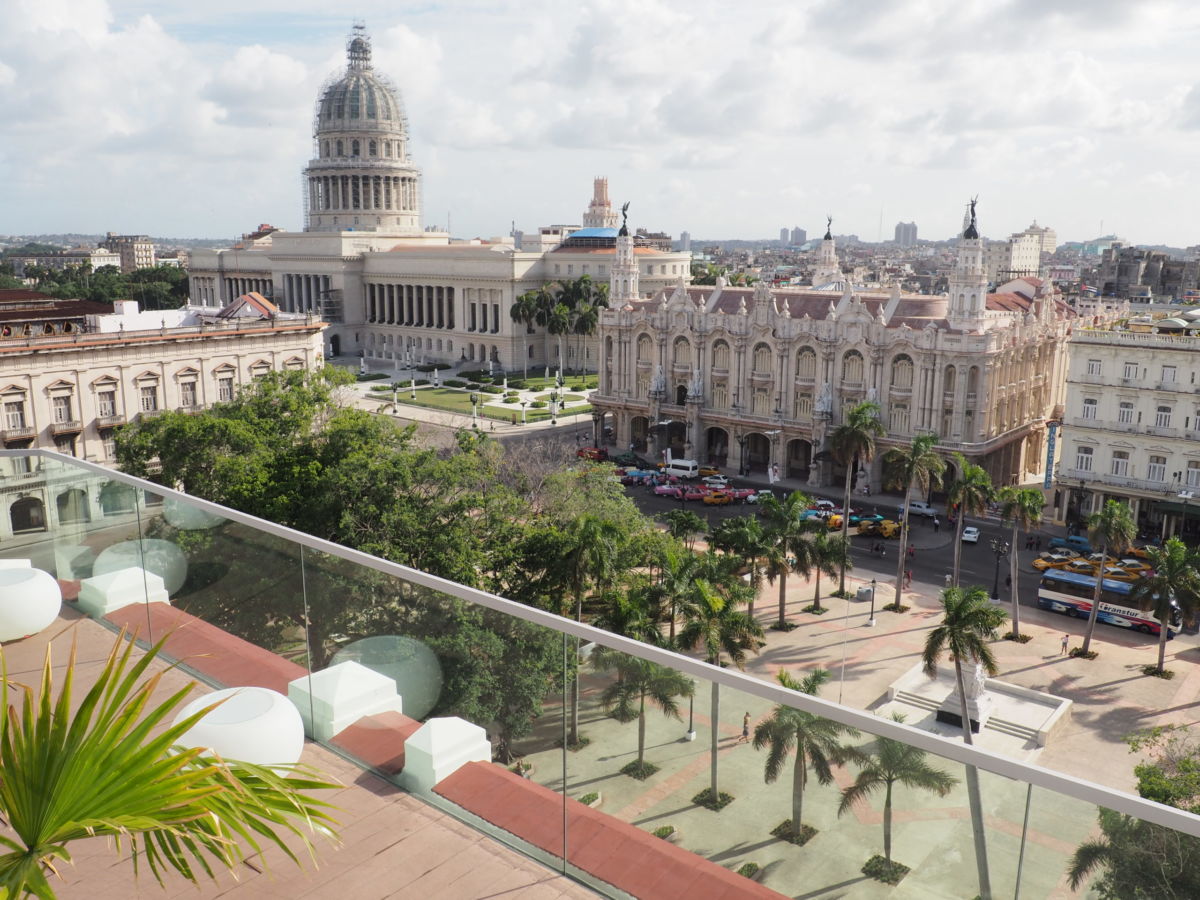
{"points": [[107, 767], [917, 466], [853, 445], [678, 569], [524, 313], [1112, 528], [684, 525], [788, 528], [1022, 507], [894, 763], [1171, 588], [969, 621], [813, 742], [828, 554], [969, 493], [714, 624], [744, 538], [637, 682]]}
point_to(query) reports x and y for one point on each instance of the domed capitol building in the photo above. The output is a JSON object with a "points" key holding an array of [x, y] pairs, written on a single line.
{"points": [[393, 290]]}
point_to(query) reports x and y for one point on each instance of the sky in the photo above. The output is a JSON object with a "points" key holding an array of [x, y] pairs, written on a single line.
{"points": [[724, 119]]}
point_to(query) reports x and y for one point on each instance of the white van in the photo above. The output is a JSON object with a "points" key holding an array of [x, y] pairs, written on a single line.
{"points": [[683, 468]]}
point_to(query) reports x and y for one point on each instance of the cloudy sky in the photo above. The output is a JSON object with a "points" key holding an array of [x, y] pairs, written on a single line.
{"points": [[727, 120]]}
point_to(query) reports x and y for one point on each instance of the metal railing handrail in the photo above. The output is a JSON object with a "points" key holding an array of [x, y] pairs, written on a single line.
{"points": [[1046, 779]]}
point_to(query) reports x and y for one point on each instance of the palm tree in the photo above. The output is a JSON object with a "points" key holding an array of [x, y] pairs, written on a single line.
{"points": [[111, 766], [853, 444], [1170, 588], [815, 741], [1023, 508], [918, 466], [1112, 528], [523, 312], [969, 621], [677, 571], [716, 625], [827, 555], [638, 681], [744, 537], [787, 528], [970, 492], [684, 525], [895, 762], [628, 613]]}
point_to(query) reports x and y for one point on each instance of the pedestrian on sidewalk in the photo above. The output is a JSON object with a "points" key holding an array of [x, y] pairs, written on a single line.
{"points": [[745, 738], [1065, 640], [908, 579]]}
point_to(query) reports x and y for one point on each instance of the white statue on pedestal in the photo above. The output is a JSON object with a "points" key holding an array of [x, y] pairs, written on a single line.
{"points": [[824, 402], [658, 382], [975, 685]]}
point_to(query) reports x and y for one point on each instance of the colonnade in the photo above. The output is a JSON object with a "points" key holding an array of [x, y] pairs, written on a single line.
{"points": [[303, 293], [362, 192]]}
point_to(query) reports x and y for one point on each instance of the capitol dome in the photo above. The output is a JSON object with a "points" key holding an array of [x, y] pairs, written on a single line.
{"points": [[361, 177]]}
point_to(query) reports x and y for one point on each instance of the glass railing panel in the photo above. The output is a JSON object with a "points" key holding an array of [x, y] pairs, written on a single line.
{"points": [[471, 717]]}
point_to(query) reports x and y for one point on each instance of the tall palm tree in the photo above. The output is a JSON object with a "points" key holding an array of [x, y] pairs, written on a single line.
{"points": [[630, 613], [684, 525], [715, 624], [106, 766], [639, 681], [1170, 588], [1112, 528], [745, 538], [589, 559], [895, 762], [917, 466], [524, 312], [970, 493], [853, 444], [828, 554], [1023, 509], [677, 571], [969, 621], [816, 742], [787, 529]]}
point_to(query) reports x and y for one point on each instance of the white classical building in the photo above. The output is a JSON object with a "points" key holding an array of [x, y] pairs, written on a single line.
{"points": [[757, 379], [392, 290], [1131, 430]]}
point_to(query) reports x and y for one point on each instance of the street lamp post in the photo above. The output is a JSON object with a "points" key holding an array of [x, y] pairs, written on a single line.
{"points": [[554, 407], [871, 620], [1185, 496], [475, 411], [395, 398], [691, 732], [1000, 548], [524, 403]]}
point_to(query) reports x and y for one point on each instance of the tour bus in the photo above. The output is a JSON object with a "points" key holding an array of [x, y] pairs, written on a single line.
{"points": [[1071, 594]]}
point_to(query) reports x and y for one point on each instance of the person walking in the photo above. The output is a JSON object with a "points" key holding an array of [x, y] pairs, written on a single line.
{"points": [[1066, 638], [912, 553], [745, 738]]}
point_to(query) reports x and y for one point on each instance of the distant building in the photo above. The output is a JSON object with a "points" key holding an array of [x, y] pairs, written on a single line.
{"points": [[906, 234], [799, 236], [1019, 256], [784, 234], [657, 240], [135, 250], [685, 242], [1047, 237], [95, 257], [600, 213], [1137, 273]]}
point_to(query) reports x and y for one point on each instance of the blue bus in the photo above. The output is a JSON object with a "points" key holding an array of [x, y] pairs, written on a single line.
{"points": [[1071, 594]]}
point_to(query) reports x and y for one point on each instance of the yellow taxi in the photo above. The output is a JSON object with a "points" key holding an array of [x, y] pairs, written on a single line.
{"points": [[1136, 566], [1116, 573], [717, 498], [1054, 559], [1079, 567]]}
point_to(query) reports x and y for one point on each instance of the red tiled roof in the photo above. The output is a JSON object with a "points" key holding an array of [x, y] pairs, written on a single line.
{"points": [[22, 294], [614, 851]]}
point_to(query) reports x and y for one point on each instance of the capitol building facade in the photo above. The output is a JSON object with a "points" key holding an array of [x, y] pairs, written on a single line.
{"points": [[392, 290]]}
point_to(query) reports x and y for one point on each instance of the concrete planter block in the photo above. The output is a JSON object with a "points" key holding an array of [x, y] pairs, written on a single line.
{"points": [[438, 749], [103, 594], [335, 698], [163, 558], [16, 563]]}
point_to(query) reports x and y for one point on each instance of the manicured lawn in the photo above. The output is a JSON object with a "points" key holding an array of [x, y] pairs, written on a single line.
{"points": [[459, 401]]}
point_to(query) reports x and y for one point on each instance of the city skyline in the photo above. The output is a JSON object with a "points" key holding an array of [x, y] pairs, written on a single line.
{"points": [[197, 122]]}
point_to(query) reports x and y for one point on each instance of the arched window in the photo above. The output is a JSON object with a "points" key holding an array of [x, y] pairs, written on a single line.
{"points": [[720, 355], [1083, 458], [852, 367], [1089, 408], [645, 348], [902, 373], [682, 352], [341, 148], [373, 148], [806, 363], [354, 148], [387, 148], [1162, 417], [973, 379], [948, 382], [324, 148], [762, 359]]}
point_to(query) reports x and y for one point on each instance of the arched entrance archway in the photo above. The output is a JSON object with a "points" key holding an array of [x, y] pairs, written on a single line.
{"points": [[27, 514], [681, 395], [639, 428], [335, 345], [798, 459], [716, 446], [757, 453], [73, 506]]}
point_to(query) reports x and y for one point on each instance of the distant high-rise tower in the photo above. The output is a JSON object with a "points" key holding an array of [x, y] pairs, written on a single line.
{"points": [[623, 282], [685, 241], [600, 212], [799, 236], [361, 177], [784, 234], [906, 234], [969, 281]]}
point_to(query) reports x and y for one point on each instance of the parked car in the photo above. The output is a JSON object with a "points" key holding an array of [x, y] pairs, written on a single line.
{"points": [[1136, 566], [594, 453], [709, 470], [760, 496], [823, 505], [715, 481], [741, 495], [970, 535], [1116, 573], [1054, 559], [1076, 542], [1080, 567], [694, 492], [884, 528], [668, 490], [919, 508], [717, 498], [632, 459]]}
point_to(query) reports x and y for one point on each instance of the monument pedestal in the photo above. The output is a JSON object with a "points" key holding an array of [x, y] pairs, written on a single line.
{"points": [[978, 710]]}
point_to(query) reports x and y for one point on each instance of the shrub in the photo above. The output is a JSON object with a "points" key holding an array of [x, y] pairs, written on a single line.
{"points": [[589, 798], [510, 394], [1019, 638], [783, 831], [517, 383], [663, 831], [748, 869], [381, 387], [1078, 653], [421, 381], [471, 374], [373, 376], [538, 404], [491, 389], [510, 399], [881, 870], [427, 368], [483, 379], [704, 798], [640, 771], [1154, 670], [454, 383]]}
